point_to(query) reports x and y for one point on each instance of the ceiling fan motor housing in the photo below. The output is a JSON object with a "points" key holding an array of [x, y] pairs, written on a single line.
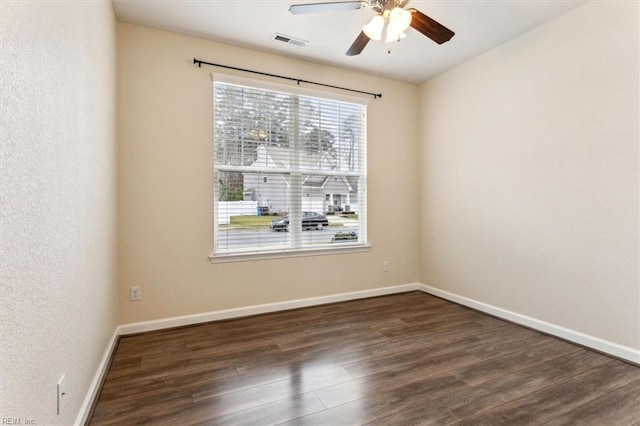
{"points": [[385, 6]]}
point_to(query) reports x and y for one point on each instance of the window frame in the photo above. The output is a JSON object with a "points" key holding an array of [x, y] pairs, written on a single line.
{"points": [[255, 253]]}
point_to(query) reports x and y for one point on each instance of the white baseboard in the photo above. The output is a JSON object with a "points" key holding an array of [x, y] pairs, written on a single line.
{"points": [[601, 345], [140, 327], [94, 388]]}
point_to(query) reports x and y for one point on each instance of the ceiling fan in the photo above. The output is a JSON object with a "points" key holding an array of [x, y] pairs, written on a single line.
{"points": [[389, 13]]}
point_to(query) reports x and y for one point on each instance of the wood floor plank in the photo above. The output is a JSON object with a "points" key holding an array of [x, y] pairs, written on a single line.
{"points": [[561, 398], [410, 353], [152, 381], [296, 383], [503, 364], [620, 407], [463, 404], [526, 381], [139, 410], [401, 359], [407, 372], [239, 382], [385, 404], [271, 414], [351, 336]]}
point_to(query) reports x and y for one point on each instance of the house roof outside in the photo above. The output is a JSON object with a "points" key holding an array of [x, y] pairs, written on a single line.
{"points": [[279, 157]]}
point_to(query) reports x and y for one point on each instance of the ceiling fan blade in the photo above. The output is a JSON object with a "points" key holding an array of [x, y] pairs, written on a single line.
{"points": [[427, 26], [358, 45], [299, 9]]}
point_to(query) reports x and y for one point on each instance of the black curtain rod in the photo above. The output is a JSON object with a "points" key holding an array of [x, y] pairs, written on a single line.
{"points": [[298, 80]]}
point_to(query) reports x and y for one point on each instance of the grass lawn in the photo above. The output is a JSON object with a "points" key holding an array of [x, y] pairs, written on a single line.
{"points": [[253, 221], [257, 221], [350, 216]]}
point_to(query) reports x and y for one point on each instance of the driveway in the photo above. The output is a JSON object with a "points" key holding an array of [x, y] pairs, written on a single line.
{"points": [[344, 220]]}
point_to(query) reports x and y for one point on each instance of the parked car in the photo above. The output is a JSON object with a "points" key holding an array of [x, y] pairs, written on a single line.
{"points": [[310, 220]]}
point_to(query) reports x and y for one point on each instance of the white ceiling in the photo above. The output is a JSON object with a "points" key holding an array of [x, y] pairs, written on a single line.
{"points": [[479, 25]]}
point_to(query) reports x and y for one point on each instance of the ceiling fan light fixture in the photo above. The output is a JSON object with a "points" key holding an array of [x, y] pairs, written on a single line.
{"points": [[389, 13], [399, 19], [373, 29], [394, 35]]}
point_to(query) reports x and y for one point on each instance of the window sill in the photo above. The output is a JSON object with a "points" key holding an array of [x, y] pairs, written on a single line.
{"points": [[245, 257]]}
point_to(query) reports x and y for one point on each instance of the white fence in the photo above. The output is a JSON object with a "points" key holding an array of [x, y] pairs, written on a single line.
{"points": [[226, 209]]}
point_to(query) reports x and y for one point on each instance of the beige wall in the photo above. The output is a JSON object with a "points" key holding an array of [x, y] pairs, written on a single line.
{"points": [[165, 184], [58, 295], [527, 196], [529, 174]]}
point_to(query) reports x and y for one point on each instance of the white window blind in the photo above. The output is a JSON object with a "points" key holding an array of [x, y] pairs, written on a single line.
{"points": [[289, 170]]}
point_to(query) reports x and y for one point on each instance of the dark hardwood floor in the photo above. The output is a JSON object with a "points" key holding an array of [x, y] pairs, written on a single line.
{"points": [[403, 359]]}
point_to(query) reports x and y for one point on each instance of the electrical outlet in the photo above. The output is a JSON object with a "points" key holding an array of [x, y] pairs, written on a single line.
{"points": [[385, 266], [62, 392], [136, 293]]}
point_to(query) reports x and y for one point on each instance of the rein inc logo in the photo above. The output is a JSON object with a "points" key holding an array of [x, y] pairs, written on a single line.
{"points": [[16, 421]]}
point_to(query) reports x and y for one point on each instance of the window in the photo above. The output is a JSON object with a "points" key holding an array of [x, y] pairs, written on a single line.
{"points": [[289, 170]]}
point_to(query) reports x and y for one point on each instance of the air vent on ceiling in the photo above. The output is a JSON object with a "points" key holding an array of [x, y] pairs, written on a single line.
{"points": [[289, 40]]}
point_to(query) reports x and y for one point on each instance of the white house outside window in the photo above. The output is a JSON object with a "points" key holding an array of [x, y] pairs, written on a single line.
{"points": [[289, 170]]}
